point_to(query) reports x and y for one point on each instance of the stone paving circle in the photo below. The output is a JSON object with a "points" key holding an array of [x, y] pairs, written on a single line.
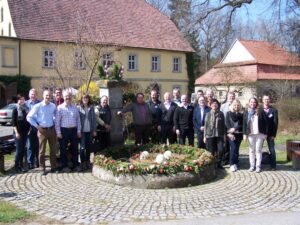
{"points": [[82, 199]]}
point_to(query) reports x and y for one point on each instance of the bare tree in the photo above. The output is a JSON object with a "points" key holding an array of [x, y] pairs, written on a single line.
{"points": [[161, 5], [231, 79], [77, 62]]}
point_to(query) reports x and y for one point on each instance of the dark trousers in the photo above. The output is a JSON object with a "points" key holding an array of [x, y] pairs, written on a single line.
{"points": [[167, 133], [226, 151], [271, 146], [68, 135], [186, 133], [20, 148], [104, 139], [142, 133], [154, 134], [200, 137], [235, 149], [215, 146], [33, 147], [85, 146]]}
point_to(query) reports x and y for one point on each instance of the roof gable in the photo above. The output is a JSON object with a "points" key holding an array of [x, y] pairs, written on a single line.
{"points": [[237, 53], [132, 23]]}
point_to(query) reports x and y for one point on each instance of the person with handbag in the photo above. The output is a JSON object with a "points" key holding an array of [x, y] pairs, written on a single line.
{"points": [[88, 130], [234, 126]]}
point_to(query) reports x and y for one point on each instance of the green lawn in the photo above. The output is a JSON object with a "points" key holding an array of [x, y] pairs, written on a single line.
{"points": [[10, 213]]}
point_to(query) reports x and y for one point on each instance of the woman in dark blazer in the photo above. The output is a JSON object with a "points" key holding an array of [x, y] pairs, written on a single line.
{"points": [[255, 126], [200, 111], [20, 131], [234, 126]]}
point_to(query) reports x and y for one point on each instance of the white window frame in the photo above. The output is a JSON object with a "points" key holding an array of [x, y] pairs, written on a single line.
{"points": [[49, 58], [79, 60], [132, 63], [15, 56], [155, 63], [107, 59], [176, 65]]}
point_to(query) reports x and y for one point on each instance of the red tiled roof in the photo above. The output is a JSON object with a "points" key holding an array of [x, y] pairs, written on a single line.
{"points": [[131, 23], [268, 53], [247, 74], [238, 75]]}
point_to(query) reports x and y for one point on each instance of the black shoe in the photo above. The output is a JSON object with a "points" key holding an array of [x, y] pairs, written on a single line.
{"points": [[54, 170], [17, 169], [23, 170], [30, 166], [273, 168], [44, 173], [219, 166]]}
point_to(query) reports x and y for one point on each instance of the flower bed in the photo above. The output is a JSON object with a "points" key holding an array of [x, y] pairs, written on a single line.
{"points": [[182, 159], [155, 166]]}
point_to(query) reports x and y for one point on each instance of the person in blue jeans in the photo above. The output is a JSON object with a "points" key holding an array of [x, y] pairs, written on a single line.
{"points": [[68, 130], [33, 141], [20, 131], [234, 126], [88, 130], [272, 117]]}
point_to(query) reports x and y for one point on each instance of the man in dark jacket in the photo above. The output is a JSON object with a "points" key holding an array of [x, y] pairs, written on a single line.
{"points": [[142, 118], [154, 108], [103, 115], [183, 121], [272, 117], [166, 119], [200, 112]]}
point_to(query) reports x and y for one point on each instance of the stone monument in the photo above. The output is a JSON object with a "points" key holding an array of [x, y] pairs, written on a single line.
{"points": [[113, 90]]}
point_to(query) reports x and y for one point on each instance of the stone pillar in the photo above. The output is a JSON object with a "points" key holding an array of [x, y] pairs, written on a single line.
{"points": [[113, 89]]}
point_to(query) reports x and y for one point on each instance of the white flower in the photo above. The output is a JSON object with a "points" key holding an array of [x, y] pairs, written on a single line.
{"points": [[160, 158], [167, 154], [144, 155]]}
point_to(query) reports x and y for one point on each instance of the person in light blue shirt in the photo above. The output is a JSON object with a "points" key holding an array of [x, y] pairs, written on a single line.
{"points": [[32, 140], [42, 118]]}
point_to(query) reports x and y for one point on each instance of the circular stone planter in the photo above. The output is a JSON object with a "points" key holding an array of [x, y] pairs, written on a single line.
{"points": [[151, 181]]}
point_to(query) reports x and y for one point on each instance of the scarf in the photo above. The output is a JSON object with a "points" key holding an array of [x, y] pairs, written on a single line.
{"points": [[251, 113], [22, 111]]}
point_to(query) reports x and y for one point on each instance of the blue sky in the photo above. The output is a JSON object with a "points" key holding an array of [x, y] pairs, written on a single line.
{"points": [[256, 10]]}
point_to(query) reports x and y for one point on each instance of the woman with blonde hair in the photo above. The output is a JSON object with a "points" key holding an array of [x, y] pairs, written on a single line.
{"points": [[255, 127], [234, 125]]}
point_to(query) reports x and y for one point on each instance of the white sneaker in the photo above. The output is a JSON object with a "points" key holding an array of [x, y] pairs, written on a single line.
{"points": [[258, 170], [235, 167], [232, 168], [251, 169]]}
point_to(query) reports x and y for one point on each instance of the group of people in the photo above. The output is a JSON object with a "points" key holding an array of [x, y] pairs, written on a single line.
{"points": [[61, 124], [220, 128]]}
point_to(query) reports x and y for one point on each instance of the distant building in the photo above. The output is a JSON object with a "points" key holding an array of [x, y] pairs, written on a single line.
{"points": [[40, 37], [252, 68]]}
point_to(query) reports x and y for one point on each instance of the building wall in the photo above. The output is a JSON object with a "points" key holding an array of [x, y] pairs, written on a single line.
{"points": [[31, 58], [243, 95], [7, 21]]}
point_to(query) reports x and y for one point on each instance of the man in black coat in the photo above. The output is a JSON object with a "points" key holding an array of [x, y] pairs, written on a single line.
{"points": [[183, 121], [166, 119], [154, 104], [272, 117]]}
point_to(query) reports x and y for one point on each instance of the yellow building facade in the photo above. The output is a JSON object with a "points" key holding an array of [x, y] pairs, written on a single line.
{"points": [[28, 58]]}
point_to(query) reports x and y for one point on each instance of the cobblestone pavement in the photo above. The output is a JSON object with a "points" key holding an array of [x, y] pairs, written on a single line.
{"points": [[81, 198]]}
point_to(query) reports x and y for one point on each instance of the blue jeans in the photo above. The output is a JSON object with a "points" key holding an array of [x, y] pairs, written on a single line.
{"points": [[69, 135], [33, 146], [20, 148], [85, 146], [271, 146], [235, 149]]}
